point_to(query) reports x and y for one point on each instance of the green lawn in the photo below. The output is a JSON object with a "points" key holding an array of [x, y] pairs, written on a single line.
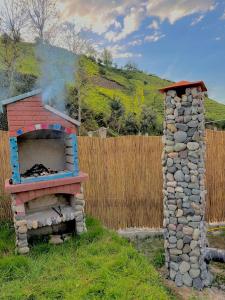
{"points": [[97, 265]]}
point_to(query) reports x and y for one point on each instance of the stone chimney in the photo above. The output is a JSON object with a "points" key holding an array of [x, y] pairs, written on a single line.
{"points": [[184, 184]]}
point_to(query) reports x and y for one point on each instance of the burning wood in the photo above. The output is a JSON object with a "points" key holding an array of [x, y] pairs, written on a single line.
{"points": [[38, 170]]}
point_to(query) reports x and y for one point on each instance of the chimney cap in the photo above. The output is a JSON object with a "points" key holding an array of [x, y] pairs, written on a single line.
{"points": [[184, 84]]}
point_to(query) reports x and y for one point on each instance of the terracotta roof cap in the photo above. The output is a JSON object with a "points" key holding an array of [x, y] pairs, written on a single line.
{"points": [[184, 84]]}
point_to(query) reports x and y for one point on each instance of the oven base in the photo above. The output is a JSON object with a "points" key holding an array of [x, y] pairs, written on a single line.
{"points": [[27, 222]]}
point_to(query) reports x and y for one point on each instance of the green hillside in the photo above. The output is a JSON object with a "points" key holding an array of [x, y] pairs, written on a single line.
{"points": [[101, 87], [134, 88]]}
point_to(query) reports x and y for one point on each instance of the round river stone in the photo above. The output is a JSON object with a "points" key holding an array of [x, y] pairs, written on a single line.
{"points": [[180, 136]]}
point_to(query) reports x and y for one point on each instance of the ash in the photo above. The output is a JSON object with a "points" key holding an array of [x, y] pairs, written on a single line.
{"points": [[38, 170]]}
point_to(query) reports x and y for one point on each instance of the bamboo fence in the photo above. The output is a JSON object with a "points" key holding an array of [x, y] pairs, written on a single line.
{"points": [[5, 211], [125, 179], [215, 176]]}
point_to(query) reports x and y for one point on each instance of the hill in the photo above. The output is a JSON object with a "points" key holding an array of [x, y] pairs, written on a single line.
{"points": [[110, 94]]}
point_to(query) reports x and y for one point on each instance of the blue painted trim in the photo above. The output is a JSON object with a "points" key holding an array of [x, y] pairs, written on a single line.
{"points": [[14, 158], [19, 132], [57, 127], [75, 154], [48, 177]]}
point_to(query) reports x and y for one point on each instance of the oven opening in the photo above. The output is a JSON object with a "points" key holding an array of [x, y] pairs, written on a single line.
{"points": [[44, 153], [51, 214]]}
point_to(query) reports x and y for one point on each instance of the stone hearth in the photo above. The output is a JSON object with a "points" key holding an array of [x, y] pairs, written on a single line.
{"points": [[45, 204]]}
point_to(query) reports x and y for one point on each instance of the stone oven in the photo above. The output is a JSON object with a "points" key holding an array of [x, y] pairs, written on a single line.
{"points": [[46, 184]]}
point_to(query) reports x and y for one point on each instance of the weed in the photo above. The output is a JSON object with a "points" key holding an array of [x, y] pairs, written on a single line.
{"points": [[97, 265], [159, 258]]}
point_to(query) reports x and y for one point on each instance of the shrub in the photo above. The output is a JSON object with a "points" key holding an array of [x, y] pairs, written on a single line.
{"points": [[102, 71], [131, 126], [159, 258]]}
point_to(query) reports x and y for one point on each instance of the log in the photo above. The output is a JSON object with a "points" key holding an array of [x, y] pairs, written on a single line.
{"points": [[214, 254]]}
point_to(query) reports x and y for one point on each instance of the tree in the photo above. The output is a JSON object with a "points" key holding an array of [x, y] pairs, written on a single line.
{"points": [[72, 39], [107, 58], [131, 126], [76, 96], [87, 118], [116, 119], [148, 123], [99, 60], [115, 65], [91, 52], [131, 66], [13, 19], [43, 17]]}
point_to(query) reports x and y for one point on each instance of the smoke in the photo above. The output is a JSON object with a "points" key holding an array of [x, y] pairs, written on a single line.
{"points": [[57, 67]]}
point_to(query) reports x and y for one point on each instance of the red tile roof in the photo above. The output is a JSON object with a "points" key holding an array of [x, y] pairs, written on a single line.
{"points": [[184, 84]]}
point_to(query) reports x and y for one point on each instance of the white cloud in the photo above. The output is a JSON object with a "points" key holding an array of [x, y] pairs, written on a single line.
{"points": [[117, 24], [218, 38], [197, 20], [155, 37], [173, 10], [118, 19], [131, 24], [154, 25], [120, 51], [98, 16], [127, 55], [223, 16], [136, 42]]}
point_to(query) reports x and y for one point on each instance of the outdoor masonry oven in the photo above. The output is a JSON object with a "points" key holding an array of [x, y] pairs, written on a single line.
{"points": [[46, 182]]}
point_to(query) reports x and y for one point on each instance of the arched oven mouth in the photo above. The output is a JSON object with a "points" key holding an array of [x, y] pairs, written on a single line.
{"points": [[44, 154]]}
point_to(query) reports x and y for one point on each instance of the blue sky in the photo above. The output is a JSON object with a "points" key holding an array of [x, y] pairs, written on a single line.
{"points": [[175, 39]]}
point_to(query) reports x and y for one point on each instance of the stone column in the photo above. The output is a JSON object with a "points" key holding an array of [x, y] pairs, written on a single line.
{"points": [[78, 204], [184, 185], [20, 225]]}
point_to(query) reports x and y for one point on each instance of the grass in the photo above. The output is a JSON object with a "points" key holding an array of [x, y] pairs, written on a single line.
{"points": [[97, 265], [216, 239], [153, 249], [214, 110]]}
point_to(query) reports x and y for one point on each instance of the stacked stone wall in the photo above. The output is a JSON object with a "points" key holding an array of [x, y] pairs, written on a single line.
{"points": [[24, 225], [184, 188]]}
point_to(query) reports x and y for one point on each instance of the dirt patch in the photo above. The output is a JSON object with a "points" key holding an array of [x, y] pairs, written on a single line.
{"points": [[186, 293], [216, 241], [106, 83], [153, 249]]}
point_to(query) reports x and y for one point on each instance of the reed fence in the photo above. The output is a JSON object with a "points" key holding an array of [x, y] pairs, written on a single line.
{"points": [[5, 211], [125, 179]]}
